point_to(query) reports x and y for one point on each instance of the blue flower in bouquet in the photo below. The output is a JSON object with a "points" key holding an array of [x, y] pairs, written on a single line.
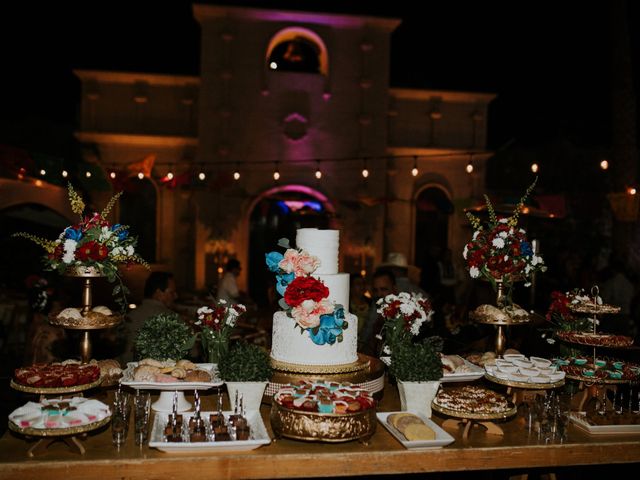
{"points": [[73, 234], [273, 261]]}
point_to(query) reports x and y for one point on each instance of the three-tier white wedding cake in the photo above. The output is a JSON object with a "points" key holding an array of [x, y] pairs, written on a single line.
{"points": [[294, 345]]}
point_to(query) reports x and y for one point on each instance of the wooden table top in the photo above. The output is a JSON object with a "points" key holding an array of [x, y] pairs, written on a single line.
{"points": [[285, 458]]}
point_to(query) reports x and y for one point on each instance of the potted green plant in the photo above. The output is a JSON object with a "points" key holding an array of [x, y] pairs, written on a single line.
{"points": [[164, 336], [417, 367], [246, 369]]}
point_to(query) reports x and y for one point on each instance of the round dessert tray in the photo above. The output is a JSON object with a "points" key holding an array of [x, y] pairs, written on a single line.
{"points": [[83, 272], [322, 427], [55, 390], [59, 432], [488, 320], [598, 380], [85, 323], [475, 416], [591, 339], [370, 377], [527, 385], [593, 308]]}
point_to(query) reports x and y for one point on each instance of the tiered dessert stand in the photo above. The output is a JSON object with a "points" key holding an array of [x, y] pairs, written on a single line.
{"points": [[500, 323], [593, 384], [86, 325]]}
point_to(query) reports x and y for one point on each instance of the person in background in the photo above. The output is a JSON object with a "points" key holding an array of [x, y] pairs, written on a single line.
{"points": [[359, 303], [397, 263], [228, 289], [159, 296], [383, 284]]}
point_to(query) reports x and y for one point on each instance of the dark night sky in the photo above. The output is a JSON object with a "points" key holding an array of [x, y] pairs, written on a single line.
{"points": [[549, 62]]}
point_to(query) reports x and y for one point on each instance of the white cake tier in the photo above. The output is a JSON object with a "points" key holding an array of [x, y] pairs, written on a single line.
{"points": [[338, 286], [323, 244], [290, 346]]}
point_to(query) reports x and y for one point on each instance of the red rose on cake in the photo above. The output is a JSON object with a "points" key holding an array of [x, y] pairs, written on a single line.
{"points": [[305, 288]]}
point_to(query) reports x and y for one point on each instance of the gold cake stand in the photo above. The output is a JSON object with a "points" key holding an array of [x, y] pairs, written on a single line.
{"points": [[470, 419]]}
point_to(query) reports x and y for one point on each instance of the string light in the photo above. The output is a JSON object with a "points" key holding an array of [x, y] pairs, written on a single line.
{"points": [[65, 174], [276, 173], [87, 174], [202, 176], [140, 175], [469, 167], [318, 171], [112, 174], [236, 175], [169, 175], [632, 190], [604, 164], [43, 172], [365, 170], [535, 167]]}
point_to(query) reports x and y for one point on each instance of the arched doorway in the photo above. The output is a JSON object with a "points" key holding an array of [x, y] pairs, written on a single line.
{"points": [[433, 209], [277, 214]]}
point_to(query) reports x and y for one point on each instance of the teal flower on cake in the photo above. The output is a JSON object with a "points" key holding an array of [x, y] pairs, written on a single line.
{"points": [[330, 328]]}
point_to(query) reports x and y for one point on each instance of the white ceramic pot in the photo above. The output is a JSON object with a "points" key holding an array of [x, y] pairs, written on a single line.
{"points": [[251, 394], [416, 397]]}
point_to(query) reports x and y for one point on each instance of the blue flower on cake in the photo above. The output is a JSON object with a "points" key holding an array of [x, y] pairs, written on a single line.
{"points": [[305, 298]]}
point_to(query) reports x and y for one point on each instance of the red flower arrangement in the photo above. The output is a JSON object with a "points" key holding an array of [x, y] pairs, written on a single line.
{"points": [[305, 288]]}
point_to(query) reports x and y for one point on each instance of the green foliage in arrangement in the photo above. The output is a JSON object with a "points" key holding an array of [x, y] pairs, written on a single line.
{"points": [[245, 362], [164, 336], [417, 362]]}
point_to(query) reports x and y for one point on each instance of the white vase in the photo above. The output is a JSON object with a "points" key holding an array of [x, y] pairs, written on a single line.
{"points": [[416, 397], [251, 394]]}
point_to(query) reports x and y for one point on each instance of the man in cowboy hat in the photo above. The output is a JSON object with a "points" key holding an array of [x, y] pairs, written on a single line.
{"points": [[397, 263]]}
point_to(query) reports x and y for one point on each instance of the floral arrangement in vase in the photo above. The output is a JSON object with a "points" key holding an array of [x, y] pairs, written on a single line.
{"points": [[217, 321], [500, 252], [560, 316], [93, 242], [403, 314], [304, 298]]}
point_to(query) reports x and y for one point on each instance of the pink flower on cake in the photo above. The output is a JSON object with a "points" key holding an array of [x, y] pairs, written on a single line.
{"points": [[300, 263], [307, 314]]}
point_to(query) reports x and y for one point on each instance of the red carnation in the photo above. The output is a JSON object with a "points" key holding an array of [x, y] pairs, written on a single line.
{"points": [[92, 250], [305, 288]]}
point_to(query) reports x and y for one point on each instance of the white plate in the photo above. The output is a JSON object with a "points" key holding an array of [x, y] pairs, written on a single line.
{"points": [[442, 437], [127, 379], [259, 436], [474, 373], [582, 423]]}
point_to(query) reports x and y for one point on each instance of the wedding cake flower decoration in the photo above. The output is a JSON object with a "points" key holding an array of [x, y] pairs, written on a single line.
{"points": [[304, 298], [499, 250], [92, 242], [403, 314], [217, 321]]}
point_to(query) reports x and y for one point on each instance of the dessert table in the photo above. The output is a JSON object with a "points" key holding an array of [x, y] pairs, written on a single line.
{"points": [[516, 450]]}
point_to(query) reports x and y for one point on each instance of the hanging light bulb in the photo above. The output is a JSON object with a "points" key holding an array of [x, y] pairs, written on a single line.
{"points": [[65, 174], [535, 167], [414, 170], [276, 175], [632, 190], [365, 172], [140, 175], [604, 164], [112, 174], [236, 175], [469, 167], [202, 176], [87, 174], [318, 171], [169, 175], [43, 172]]}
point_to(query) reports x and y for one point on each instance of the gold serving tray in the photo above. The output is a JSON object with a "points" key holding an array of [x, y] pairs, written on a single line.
{"points": [[488, 320], [584, 341], [322, 427], [55, 390], [83, 272], [596, 380], [527, 385], [59, 432], [360, 364], [475, 416], [85, 323], [592, 308]]}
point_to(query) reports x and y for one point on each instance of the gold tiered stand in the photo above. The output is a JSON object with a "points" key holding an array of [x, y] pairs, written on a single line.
{"points": [[500, 323], [86, 324]]}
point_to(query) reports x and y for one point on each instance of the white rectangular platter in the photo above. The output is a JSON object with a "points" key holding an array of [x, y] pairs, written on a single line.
{"points": [[442, 437], [474, 372], [582, 423], [259, 436], [127, 379]]}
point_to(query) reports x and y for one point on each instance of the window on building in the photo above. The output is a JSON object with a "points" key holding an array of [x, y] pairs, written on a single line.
{"points": [[298, 54]]}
